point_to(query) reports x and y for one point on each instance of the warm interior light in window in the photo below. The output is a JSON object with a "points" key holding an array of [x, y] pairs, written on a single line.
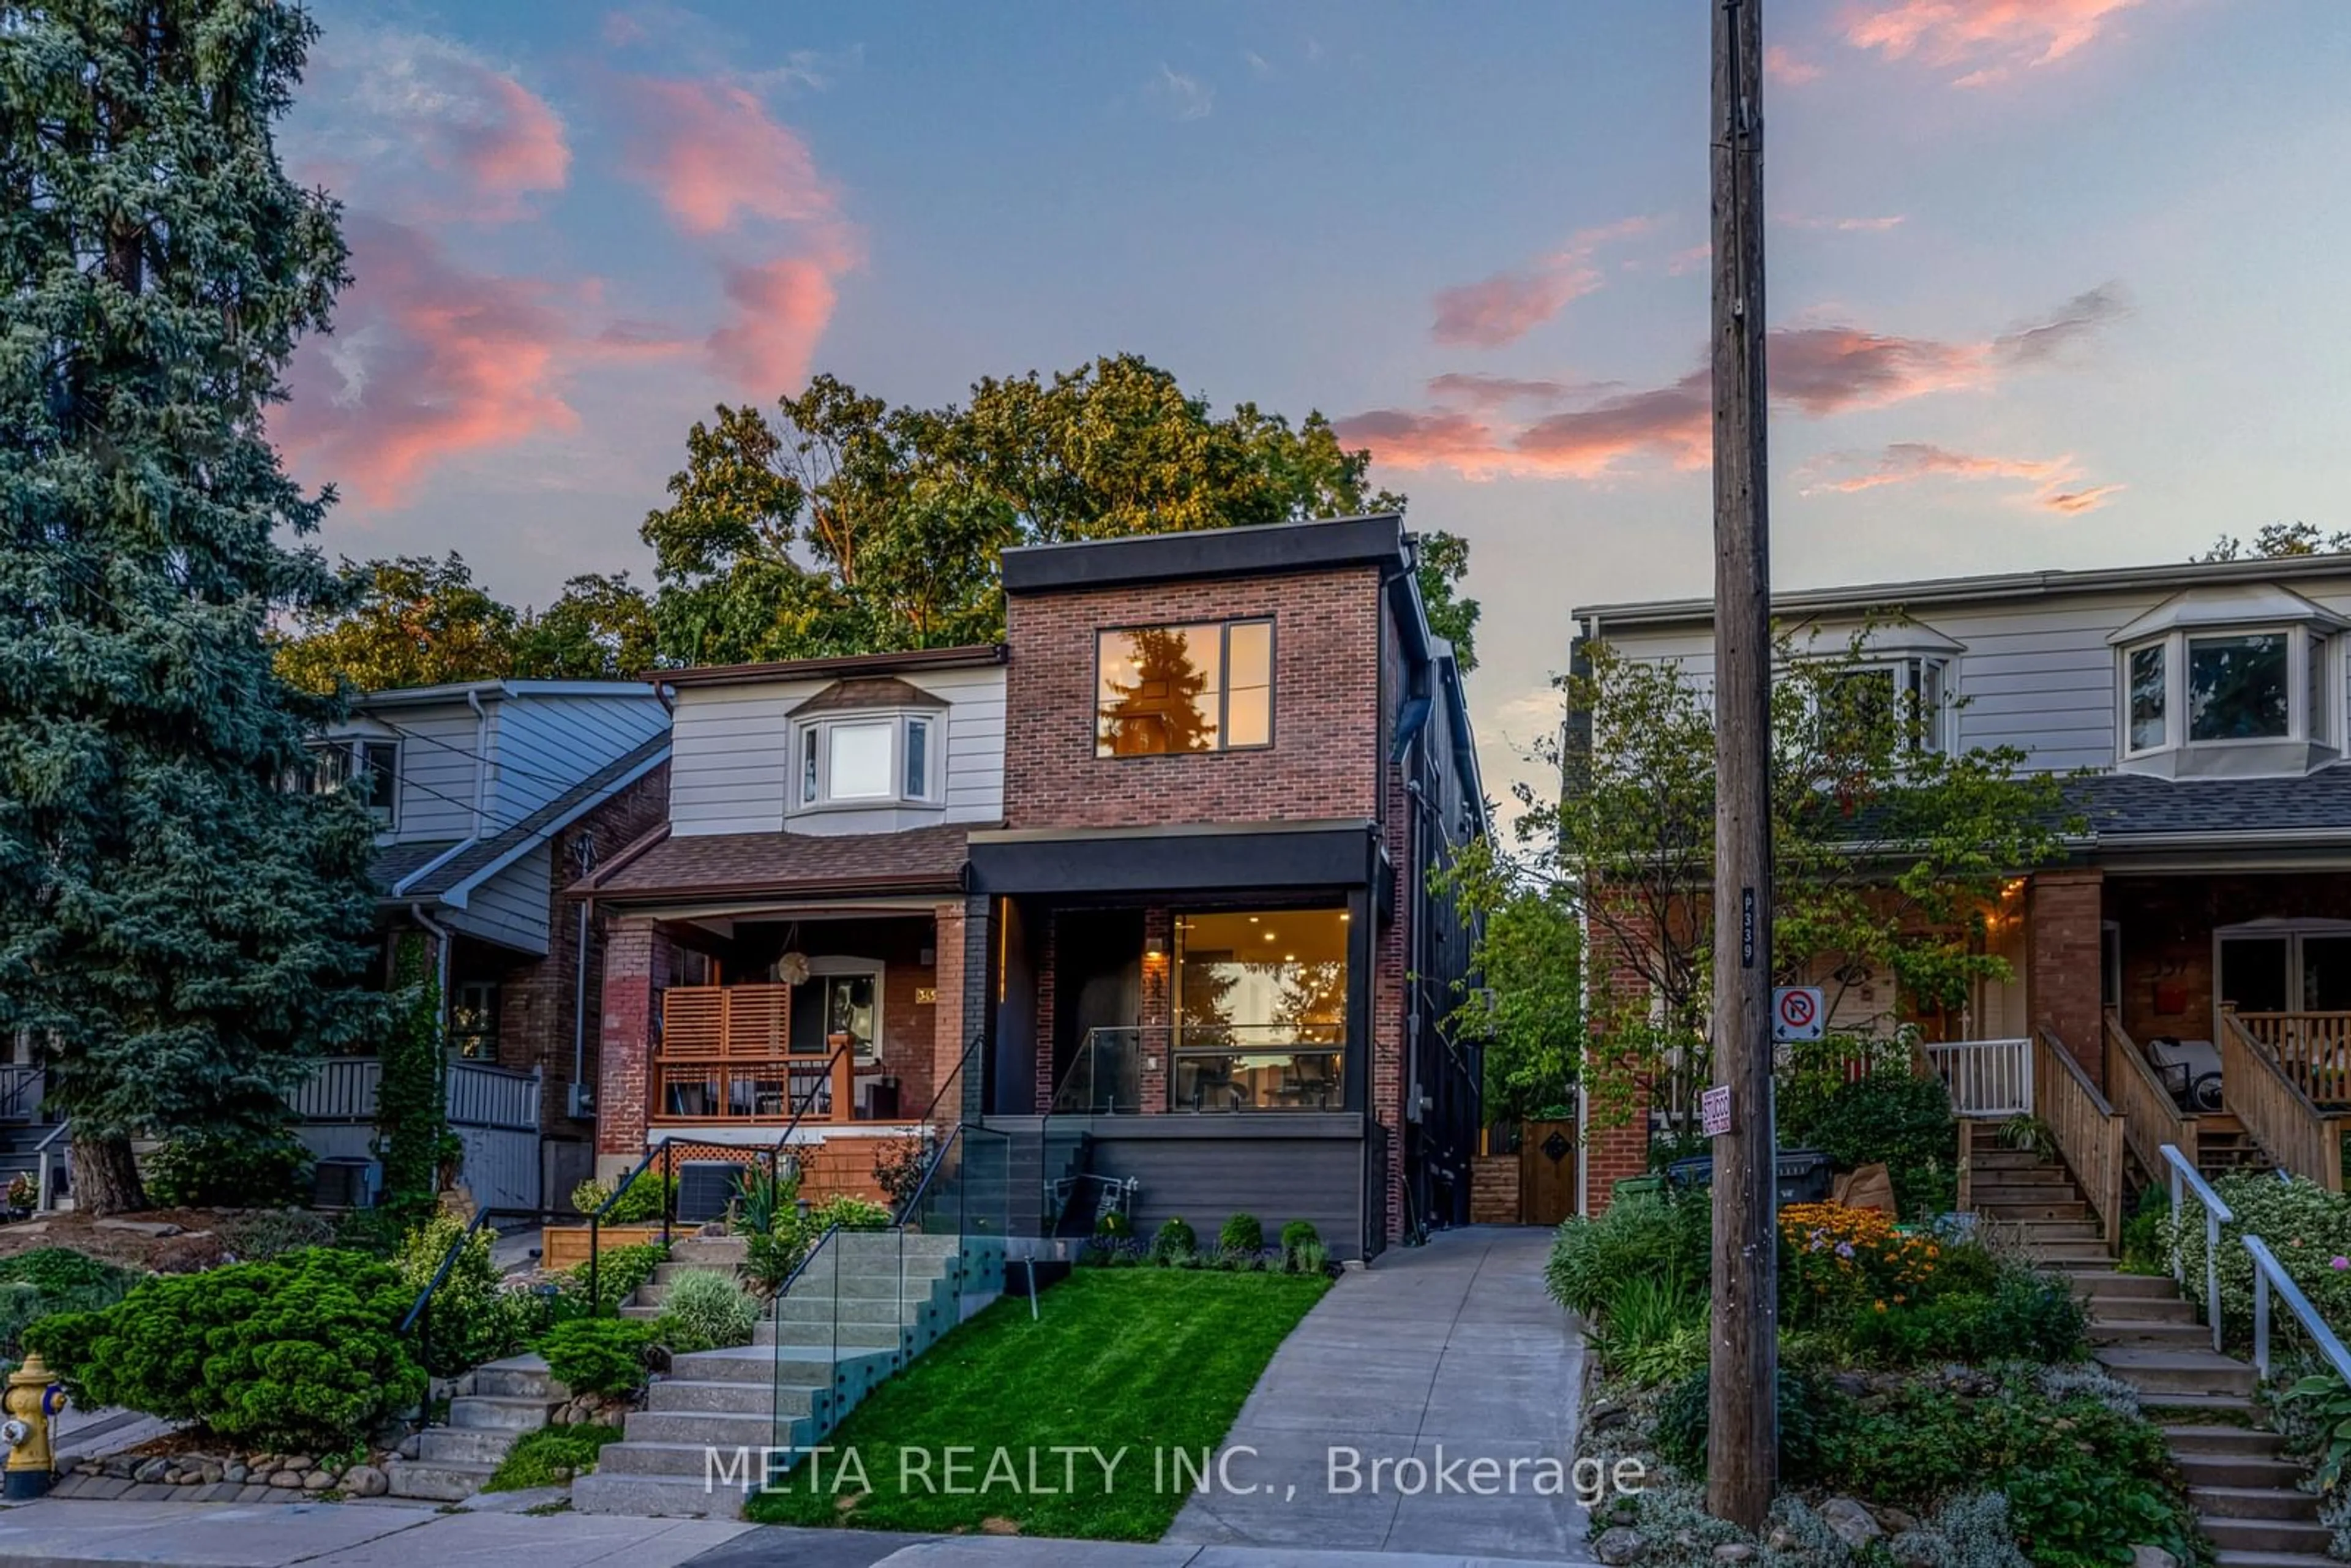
{"points": [[1268, 935], [1344, 917], [1252, 920]]}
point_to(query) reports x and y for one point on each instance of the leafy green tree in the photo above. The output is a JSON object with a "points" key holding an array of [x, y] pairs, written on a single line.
{"points": [[409, 621], [412, 1107], [2277, 541], [600, 628], [1887, 853], [1444, 562], [179, 933], [1529, 1015]]}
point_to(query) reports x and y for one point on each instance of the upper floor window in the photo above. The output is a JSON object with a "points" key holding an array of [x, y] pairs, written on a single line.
{"points": [[866, 760], [367, 769], [2206, 688], [1907, 696], [1164, 689]]}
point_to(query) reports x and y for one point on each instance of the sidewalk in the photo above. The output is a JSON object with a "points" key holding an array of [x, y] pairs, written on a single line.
{"points": [[1448, 1357], [344, 1535]]}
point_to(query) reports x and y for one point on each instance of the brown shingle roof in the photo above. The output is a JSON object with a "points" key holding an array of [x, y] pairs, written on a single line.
{"points": [[785, 864], [872, 692]]}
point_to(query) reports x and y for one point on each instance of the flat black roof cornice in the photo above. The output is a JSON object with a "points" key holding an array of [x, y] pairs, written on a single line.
{"points": [[1373, 540]]}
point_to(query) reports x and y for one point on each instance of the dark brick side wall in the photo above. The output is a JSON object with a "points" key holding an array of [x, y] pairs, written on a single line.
{"points": [[2166, 927], [2064, 963], [1326, 722], [536, 1000]]}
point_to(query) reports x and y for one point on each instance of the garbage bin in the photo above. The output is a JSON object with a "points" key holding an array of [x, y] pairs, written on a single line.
{"points": [[1632, 1186], [1804, 1176]]}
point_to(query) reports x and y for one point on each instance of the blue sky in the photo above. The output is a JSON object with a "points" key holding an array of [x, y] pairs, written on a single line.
{"points": [[2056, 282]]}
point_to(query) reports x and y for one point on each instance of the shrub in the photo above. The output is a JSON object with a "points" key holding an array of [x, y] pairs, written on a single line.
{"points": [[644, 1200], [1242, 1233], [2025, 1318], [898, 1169], [618, 1271], [269, 1233], [1639, 1235], [1890, 1116], [1653, 1330], [1115, 1226], [550, 1457], [764, 1202], [704, 1310], [771, 1256], [2308, 1228], [295, 1355], [1299, 1233], [1313, 1257], [2146, 1234], [598, 1355], [589, 1195], [471, 1318], [848, 1214], [1175, 1239], [200, 1170], [47, 1279]]}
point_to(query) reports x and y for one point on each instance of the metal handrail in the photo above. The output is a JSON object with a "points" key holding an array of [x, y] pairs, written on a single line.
{"points": [[2185, 1179], [777, 1155], [2269, 1275]]}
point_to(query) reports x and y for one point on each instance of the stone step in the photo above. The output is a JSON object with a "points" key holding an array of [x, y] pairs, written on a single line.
{"points": [[2146, 1310], [2256, 1470], [852, 1309], [2159, 1373], [2253, 1502], [2273, 1559], [709, 1251], [2181, 1336], [434, 1482], [671, 1395], [736, 1364], [653, 1497], [465, 1444], [2098, 1283], [668, 1273], [691, 1459], [2188, 1440], [710, 1429], [518, 1377], [503, 1415], [841, 1337], [2303, 1537]]}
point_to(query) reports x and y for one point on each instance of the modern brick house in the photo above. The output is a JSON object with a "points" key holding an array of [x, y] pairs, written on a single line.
{"points": [[2191, 957], [491, 796], [1145, 887], [1232, 760]]}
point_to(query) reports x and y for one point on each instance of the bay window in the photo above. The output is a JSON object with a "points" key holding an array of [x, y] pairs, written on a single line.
{"points": [[2228, 688], [865, 759]]}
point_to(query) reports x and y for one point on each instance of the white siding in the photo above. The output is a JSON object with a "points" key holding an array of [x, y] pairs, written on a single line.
{"points": [[437, 747], [2036, 673], [731, 763], [542, 745], [510, 908]]}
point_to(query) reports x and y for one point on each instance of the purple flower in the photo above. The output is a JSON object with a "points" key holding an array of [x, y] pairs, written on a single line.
{"points": [[2339, 1264], [1844, 1248]]}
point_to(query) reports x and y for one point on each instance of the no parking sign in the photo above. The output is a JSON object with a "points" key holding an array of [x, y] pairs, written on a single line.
{"points": [[1798, 1013]]}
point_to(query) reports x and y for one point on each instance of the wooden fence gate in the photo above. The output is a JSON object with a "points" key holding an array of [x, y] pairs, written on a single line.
{"points": [[1533, 1184]]}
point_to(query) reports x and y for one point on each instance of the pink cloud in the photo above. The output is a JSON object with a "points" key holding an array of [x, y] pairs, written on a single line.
{"points": [[1784, 66], [1991, 38], [425, 128], [1815, 371], [713, 156], [1908, 462], [1506, 306], [1842, 226], [430, 359], [780, 311]]}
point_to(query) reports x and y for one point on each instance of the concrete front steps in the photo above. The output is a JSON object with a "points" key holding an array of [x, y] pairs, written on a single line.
{"points": [[863, 1309], [688, 1255], [506, 1399]]}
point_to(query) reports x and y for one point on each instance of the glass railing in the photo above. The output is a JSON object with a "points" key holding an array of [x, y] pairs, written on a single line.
{"points": [[1105, 1077], [1259, 1067]]}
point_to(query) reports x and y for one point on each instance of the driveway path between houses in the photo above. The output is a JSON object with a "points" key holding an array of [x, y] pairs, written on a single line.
{"points": [[1446, 1352]]}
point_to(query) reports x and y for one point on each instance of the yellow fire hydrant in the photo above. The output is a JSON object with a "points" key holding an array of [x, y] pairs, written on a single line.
{"points": [[32, 1399]]}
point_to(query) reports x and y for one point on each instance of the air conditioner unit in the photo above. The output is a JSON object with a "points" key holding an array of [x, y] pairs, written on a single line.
{"points": [[581, 1102], [347, 1181]]}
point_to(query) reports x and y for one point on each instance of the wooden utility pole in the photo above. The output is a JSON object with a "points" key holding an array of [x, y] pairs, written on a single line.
{"points": [[1743, 1442]]}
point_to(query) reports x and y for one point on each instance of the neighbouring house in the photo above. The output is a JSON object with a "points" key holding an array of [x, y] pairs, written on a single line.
{"points": [[2184, 977], [794, 949], [491, 797], [1232, 760], [1137, 903]]}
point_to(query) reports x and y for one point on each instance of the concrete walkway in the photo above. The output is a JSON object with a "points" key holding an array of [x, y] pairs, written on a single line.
{"points": [[1449, 1355]]}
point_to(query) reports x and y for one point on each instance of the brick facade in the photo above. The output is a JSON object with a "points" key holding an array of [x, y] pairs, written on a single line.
{"points": [[537, 998], [639, 960], [1617, 1144], [1326, 720], [2064, 963]]}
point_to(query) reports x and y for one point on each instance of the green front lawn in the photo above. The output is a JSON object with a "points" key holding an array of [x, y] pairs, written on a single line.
{"points": [[1146, 1360]]}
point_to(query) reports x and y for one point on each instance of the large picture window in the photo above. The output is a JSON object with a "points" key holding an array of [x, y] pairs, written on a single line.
{"points": [[1166, 689], [1260, 1009], [2238, 687]]}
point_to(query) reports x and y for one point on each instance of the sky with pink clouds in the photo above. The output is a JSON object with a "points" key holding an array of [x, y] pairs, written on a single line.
{"points": [[2053, 283]]}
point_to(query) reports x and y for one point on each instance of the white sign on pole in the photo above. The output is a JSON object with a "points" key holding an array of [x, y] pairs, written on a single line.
{"points": [[1798, 1013], [1714, 1111]]}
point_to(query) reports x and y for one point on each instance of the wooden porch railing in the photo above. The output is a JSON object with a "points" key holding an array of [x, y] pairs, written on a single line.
{"points": [[2151, 1118], [2089, 1133], [2276, 1110], [725, 1056], [2312, 1049]]}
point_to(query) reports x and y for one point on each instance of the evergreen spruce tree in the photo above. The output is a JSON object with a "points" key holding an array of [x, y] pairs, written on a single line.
{"points": [[178, 932]]}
